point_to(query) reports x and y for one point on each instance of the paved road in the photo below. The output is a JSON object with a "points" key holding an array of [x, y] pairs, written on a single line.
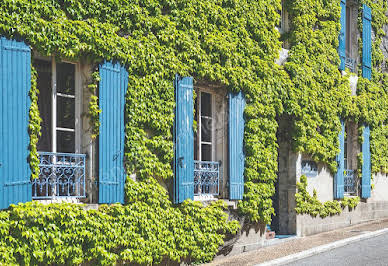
{"points": [[373, 251]]}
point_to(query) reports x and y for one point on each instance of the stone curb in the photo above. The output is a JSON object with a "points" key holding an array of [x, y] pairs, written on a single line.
{"points": [[323, 248]]}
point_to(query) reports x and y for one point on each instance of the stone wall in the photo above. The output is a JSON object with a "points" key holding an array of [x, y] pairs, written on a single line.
{"points": [[250, 237], [308, 225]]}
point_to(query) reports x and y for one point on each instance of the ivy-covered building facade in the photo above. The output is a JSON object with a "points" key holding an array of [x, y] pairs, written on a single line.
{"points": [[272, 113]]}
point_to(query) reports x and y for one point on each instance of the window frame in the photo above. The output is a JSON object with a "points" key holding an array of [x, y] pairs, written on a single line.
{"points": [[198, 145], [351, 38], [54, 99]]}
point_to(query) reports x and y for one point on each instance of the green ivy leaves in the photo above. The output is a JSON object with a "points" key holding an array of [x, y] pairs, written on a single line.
{"points": [[34, 125], [94, 110], [307, 204], [148, 230], [232, 42]]}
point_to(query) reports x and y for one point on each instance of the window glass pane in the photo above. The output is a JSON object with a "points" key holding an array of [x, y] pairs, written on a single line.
{"points": [[66, 78], [206, 108], [348, 26], [65, 112], [65, 141], [206, 129], [206, 152], [280, 12], [43, 69], [196, 133]]}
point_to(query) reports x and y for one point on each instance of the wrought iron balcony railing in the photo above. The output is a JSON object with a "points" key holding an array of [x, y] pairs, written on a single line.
{"points": [[351, 64], [350, 184], [61, 175], [206, 178]]}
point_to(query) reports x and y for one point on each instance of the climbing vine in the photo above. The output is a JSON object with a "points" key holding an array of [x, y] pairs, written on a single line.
{"points": [[232, 42], [307, 204], [34, 125], [94, 110], [373, 95], [147, 231]]}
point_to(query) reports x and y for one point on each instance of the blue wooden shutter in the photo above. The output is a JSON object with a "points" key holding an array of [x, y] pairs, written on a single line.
{"points": [[183, 140], [339, 176], [236, 145], [366, 165], [112, 88], [15, 83], [342, 36], [366, 42], [366, 73]]}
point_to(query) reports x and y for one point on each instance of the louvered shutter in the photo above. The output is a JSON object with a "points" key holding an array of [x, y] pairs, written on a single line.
{"points": [[366, 73], [342, 36], [15, 83], [366, 42], [112, 88], [366, 165], [183, 140], [236, 145], [339, 176]]}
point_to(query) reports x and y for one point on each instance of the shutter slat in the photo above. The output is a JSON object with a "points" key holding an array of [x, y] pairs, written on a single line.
{"points": [[112, 89], [342, 36], [367, 42], [183, 140], [366, 165], [236, 145], [15, 83], [339, 176]]}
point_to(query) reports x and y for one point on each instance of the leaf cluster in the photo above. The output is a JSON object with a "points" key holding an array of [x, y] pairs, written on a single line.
{"points": [[149, 230], [307, 204]]}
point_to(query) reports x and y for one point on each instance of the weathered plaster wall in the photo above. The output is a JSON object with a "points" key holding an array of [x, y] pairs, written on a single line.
{"points": [[322, 183], [88, 146], [250, 237], [221, 138], [380, 190], [286, 215]]}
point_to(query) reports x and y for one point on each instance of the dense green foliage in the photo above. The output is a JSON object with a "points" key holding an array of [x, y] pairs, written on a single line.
{"points": [[94, 109], [34, 125], [372, 107], [148, 230], [319, 95], [232, 42], [307, 204]]}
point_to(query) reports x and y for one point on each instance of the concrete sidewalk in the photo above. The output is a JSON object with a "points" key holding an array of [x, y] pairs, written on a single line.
{"points": [[297, 245]]}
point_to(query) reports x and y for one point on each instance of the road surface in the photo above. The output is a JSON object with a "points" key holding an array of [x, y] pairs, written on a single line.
{"points": [[372, 251]]}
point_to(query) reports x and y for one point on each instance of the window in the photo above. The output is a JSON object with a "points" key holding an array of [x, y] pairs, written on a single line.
{"points": [[57, 105], [210, 142], [62, 171], [351, 149], [204, 137], [351, 47], [283, 23]]}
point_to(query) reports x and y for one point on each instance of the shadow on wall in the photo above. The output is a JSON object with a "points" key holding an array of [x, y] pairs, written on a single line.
{"points": [[251, 236]]}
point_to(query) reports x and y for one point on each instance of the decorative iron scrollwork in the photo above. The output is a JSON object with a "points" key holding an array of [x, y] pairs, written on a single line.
{"points": [[206, 178], [61, 175]]}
